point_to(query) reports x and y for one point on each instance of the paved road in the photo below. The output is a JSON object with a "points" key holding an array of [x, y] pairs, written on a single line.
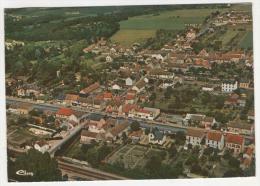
{"points": [[166, 126], [58, 145]]}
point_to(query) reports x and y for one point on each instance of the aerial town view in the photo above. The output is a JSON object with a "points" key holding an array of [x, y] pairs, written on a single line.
{"points": [[129, 92]]}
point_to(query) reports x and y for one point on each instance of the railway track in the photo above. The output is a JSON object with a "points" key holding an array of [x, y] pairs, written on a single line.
{"points": [[87, 173]]}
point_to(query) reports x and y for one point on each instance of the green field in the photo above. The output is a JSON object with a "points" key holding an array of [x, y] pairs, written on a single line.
{"points": [[127, 37], [138, 28], [247, 40], [225, 38]]}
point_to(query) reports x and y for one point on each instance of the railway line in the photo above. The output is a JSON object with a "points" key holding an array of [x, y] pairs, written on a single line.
{"points": [[85, 172]]}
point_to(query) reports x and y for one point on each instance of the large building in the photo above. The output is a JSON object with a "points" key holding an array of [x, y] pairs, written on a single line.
{"points": [[229, 86]]}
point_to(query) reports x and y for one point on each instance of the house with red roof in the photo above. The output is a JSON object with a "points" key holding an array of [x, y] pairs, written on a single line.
{"points": [[136, 136], [114, 106], [91, 88], [64, 113], [215, 139], [107, 96], [74, 117], [127, 108], [201, 63], [234, 142], [130, 99]]}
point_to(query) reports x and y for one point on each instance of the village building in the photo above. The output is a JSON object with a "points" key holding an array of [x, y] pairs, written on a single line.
{"points": [[41, 146], [144, 113], [215, 139], [193, 119], [248, 157], [136, 136], [116, 87], [240, 127], [251, 116], [161, 74], [139, 86], [64, 113], [96, 123], [244, 84], [129, 81], [208, 122], [156, 137], [88, 90], [235, 143], [195, 136], [109, 59], [107, 96], [116, 132], [88, 137], [20, 108], [71, 99], [229, 86]]}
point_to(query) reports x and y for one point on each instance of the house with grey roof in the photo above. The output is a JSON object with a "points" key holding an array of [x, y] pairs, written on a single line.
{"points": [[156, 137]]}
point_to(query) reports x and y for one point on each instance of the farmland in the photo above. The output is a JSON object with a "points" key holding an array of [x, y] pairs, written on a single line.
{"points": [[247, 40], [145, 26]]}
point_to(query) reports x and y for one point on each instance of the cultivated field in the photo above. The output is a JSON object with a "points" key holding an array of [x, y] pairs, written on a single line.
{"points": [[138, 28]]}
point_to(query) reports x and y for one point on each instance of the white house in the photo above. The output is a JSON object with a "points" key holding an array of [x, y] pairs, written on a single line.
{"points": [[229, 86], [195, 136], [116, 87], [144, 113], [207, 89], [215, 139], [158, 57], [109, 59], [41, 146], [129, 82]]}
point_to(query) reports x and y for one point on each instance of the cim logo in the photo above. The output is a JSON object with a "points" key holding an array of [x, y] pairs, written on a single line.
{"points": [[24, 173]]}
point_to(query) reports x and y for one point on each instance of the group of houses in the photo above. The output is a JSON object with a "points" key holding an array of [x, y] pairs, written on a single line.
{"points": [[215, 139]]}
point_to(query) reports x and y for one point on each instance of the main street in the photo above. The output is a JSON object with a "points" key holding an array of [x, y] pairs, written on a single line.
{"points": [[165, 126]]}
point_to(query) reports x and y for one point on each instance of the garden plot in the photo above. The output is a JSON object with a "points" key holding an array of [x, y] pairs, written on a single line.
{"points": [[132, 156]]}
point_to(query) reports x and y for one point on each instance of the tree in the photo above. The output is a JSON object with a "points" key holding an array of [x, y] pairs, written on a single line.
{"points": [[135, 126], [167, 95], [196, 168], [42, 166], [233, 173], [153, 166], [124, 137], [208, 151], [227, 155], [233, 162], [192, 159], [172, 151], [146, 131], [153, 97], [180, 138]]}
